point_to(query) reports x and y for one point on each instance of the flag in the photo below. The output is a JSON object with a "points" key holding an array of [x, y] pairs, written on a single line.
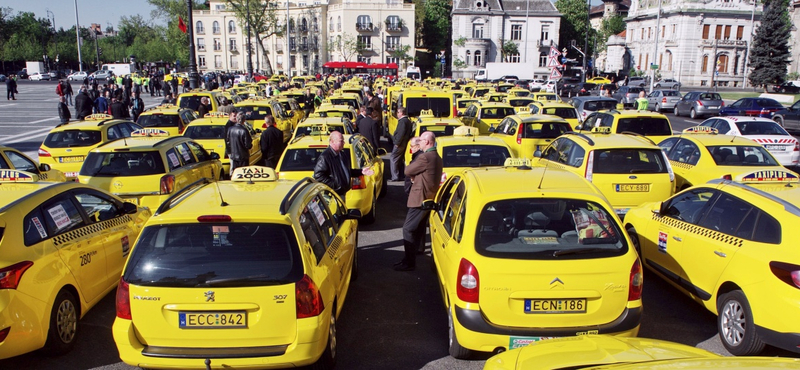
{"points": [[181, 25]]}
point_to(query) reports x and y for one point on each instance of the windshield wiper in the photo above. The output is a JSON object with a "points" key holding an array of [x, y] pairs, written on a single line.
{"points": [[565, 252]]}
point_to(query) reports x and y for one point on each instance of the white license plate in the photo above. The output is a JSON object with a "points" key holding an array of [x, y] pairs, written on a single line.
{"points": [[713, 107], [779, 148]]}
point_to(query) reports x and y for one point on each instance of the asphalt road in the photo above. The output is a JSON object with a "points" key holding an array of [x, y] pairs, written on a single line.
{"points": [[391, 320]]}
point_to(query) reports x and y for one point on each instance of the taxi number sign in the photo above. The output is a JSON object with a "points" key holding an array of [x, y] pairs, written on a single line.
{"points": [[212, 320], [776, 147], [632, 188], [70, 159], [555, 305]]}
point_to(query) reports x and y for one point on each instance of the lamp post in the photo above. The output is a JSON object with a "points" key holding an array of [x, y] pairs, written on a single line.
{"points": [[55, 44], [749, 42], [193, 77], [655, 46], [586, 40], [249, 45], [288, 47], [78, 37]]}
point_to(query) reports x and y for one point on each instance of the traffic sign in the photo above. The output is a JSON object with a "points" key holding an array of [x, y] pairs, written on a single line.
{"points": [[552, 62], [555, 74], [653, 66]]}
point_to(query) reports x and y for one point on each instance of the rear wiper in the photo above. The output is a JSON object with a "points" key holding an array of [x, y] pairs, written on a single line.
{"points": [[565, 252]]}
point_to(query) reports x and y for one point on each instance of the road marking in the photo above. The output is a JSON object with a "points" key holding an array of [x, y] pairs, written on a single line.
{"points": [[45, 120], [27, 135]]}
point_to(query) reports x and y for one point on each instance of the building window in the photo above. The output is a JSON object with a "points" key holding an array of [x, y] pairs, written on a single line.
{"points": [[215, 27], [305, 61], [649, 33], [234, 62], [545, 34], [201, 44], [218, 61], [468, 57], [330, 24], [364, 42], [198, 26], [232, 44], [292, 44], [706, 29], [728, 32], [642, 37], [339, 24], [392, 43], [542, 60], [279, 62], [201, 59], [663, 31], [639, 65], [217, 45], [304, 27], [291, 25], [394, 60], [363, 22], [231, 27], [477, 30], [718, 33], [722, 63], [478, 60], [516, 32], [294, 61], [669, 61], [363, 59], [704, 66], [739, 32], [514, 58], [674, 30]]}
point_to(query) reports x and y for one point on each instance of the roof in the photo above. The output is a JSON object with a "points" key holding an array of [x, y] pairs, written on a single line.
{"points": [[207, 121], [445, 141], [138, 143], [88, 125], [715, 139], [622, 8], [12, 192], [508, 6], [612, 141], [533, 118], [511, 180]]}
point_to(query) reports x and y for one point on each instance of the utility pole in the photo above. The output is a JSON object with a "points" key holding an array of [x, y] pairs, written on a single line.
{"points": [[78, 37], [655, 46], [586, 40], [249, 45], [193, 76], [96, 48], [714, 66], [749, 42], [288, 48], [527, 7], [55, 43]]}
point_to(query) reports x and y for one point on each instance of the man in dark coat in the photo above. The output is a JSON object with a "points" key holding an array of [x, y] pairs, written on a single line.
{"points": [[368, 127], [204, 107], [333, 168], [402, 134], [362, 112], [83, 104], [240, 143], [271, 143], [11, 88], [118, 108], [63, 110], [137, 106]]}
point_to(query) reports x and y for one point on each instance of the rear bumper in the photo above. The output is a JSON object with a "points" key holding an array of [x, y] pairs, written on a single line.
{"points": [[25, 316], [786, 341]]}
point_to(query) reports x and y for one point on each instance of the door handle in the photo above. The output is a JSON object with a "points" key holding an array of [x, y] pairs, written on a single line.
{"points": [[677, 238], [721, 254], [442, 245]]}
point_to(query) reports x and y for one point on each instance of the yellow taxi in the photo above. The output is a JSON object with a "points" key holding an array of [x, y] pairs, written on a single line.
{"points": [[291, 109], [256, 109], [300, 157], [440, 127], [179, 75], [525, 254], [210, 132], [479, 91], [525, 134], [67, 145], [62, 249], [191, 99], [494, 97], [555, 108], [467, 149], [520, 104], [728, 245], [317, 125], [12, 159], [654, 125], [598, 80], [518, 92], [167, 117], [628, 169], [148, 170], [486, 116], [330, 110], [699, 155], [463, 103], [344, 99], [248, 273], [415, 100], [545, 96], [503, 87]]}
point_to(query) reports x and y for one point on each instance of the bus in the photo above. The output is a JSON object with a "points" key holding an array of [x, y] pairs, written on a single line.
{"points": [[359, 68]]}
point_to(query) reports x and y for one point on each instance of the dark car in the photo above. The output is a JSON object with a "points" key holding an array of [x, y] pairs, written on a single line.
{"points": [[786, 87], [758, 107], [789, 117], [577, 89], [566, 81], [523, 84]]}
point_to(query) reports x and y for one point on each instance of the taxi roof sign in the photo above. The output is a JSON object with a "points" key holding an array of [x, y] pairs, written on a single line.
{"points": [[17, 176], [466, 131], [253, 174], [769, 176], [517, 162], [97, 117], [216, 115], [426, 112], [149, 132], [700, 130]]}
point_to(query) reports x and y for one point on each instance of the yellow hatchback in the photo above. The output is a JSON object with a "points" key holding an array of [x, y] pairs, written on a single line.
{"points": [[554, 108], [248, 273], [525, 134], [12, 159], [654, 125], [210, 132], [256, 109], [486, 116], [62, 249], [525, 254], [317, 125], [167, 117], [520, 104]]}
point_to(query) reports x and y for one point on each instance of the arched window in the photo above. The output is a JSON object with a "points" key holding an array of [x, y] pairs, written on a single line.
{"points": [[331, 24], [231, 27], [467, 60], [339, 24], [669, 60], [215, 27], [304, 25], [291, 25], [315, 25], [478, 58], [198, 26], [722, 62], [704, 66]]}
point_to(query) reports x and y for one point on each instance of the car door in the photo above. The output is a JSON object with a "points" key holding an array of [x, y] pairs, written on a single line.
{"points": [[208, 168], [325, 242], [367, 156], [685, 104], [192, 170], [445, 249], [346, 235], [652, 99], [791, 120]]}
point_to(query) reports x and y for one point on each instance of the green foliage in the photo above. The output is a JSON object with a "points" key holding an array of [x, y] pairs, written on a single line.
{"points": [[263, 20], [436, 26], [461, 41], [508, 49], [769, 54], [610, 26], [401, 53], [437, 69], [459, 63], [793, 76], [574, 25]]}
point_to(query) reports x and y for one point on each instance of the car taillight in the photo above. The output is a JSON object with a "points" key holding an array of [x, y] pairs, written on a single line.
{"points": [[227, 156], [4, 334], [519, 134], [180, 130], [123, 300], [721, 103], [699, 103], [664, 99], [308, 298], [589, 166], [43, 153], [469, 282], [797, 146], [358, 183], [455, 110], [214, 218], [167, 184], [11, 275], [669, 167], [636, 282], [787, 272]]}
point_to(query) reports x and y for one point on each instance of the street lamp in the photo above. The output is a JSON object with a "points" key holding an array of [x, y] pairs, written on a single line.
{"points": [[193, 77], [78, 37]]}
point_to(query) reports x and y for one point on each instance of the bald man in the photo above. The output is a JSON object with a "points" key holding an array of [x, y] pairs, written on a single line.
{"points": [[333, 168]]}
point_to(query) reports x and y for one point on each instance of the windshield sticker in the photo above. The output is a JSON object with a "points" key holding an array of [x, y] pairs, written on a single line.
{"points": [[184, 153], [539, 240], [59, 216], [39, 227], [174, 159], [591, 224], [220, 235], [662, 242], [314, 207]]}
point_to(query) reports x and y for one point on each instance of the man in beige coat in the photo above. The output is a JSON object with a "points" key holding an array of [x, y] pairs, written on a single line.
{"points": [[426, 174]]}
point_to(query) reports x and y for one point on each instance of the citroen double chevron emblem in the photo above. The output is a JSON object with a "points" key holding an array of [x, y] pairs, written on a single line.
{"points": [[556, 280]]}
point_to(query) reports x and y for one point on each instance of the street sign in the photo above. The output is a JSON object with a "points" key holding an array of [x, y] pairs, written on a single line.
{"points": [[555, 74], [563, 60], [654, 66], [552, 62]]}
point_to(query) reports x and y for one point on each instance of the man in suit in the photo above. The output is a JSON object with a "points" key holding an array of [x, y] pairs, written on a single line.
{"points": [[271, 143], [425, 173], [402, 134], [362, 112], [368, 127]]}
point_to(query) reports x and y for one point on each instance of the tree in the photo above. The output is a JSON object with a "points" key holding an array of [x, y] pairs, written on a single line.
{"points": [[769, 53], [508, 49], [401, 52], [436, 25], [345, 45], [170, 10], [574, 24], [610, 26], [263, 21]]}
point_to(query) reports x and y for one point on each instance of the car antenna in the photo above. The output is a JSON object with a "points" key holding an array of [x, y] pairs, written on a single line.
{"points": [[222, 203], [543, 173]]}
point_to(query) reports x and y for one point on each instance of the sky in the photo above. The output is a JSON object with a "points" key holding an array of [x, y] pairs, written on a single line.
{"points": [[89, 11]]}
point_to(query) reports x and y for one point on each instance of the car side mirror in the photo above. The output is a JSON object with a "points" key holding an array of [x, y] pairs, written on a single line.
{"points": [[537, 153], [579, 127], [44, 167], [129, 208], [662, 210], [492, 129], [214, 155], [459, 114], [353, 214]]}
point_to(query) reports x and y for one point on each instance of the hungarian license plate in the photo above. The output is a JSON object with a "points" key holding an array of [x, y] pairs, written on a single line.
{"points": [[779, 148], [577, 305], [70, 159], [624, 188], [212, 320], [713, 107]]}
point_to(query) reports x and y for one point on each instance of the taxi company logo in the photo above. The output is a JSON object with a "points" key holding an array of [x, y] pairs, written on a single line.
{"points": [[209, 296]]}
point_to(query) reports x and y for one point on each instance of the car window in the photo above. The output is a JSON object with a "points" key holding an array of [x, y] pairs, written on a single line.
{"points": [[198, 151], [690, 205], [709, 122], [667, 145], [3, 163], [159, 120], [685, 151], [453, 208], [545, 130], [72, 139], [109, 164], [767, 230], [741, 156], [474, 155], [645, 125], [33, 228], [629, 161], [61, 215], [564, 150], [97, 207], [337, 209], [126, 129], [551, 152], [445, 195], [20, 163], [172, 159], [727, 214], [760, 128]]}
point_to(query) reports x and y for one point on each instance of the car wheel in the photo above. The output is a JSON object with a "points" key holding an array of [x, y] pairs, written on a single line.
{"points": [[735, 324], [635, 240], [658, 86], [63, 324], [658, 108], [372, 215], [328, 359], [693, 114], [675, 111], [779, 120], [456, 350]]}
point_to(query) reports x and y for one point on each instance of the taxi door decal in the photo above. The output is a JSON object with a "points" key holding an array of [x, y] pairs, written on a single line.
{"points": [[662, 242]]}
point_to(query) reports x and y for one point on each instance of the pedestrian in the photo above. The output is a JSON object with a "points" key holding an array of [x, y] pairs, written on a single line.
{"points": [[308, 101], [370, 130], [165, 88], [226, 106], [318, 99], [63, 110], [68, 92], [60, 88], [240, 142], [137, 106], [101, 104], [119, 109], [11, 88], [641, 102], [377, 107], [204, 107], [400, 139], [83, 104], [271, 143], [333, 169], [362, 113], [167, 98], [174, 85], [413, 145], [231, 122], [425, 173]]}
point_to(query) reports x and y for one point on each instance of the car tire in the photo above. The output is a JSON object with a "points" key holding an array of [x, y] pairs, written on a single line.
{"points": [[779, 121], [370, 217], [658, 86], [455, 349], [693, 114], [328, 359], [737, 331], [63, 324], [635, 240], [657, 108], [675, 111]]}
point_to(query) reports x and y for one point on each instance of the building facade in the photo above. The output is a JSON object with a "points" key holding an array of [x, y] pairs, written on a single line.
{"points": [[699, 42], [606, 61], [480, 27]]}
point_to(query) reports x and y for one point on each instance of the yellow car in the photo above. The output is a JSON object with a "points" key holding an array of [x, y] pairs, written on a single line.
{"points": [[293, 113], [504, 87], [300, 157], [486, 116], [440, 127], [463, 103], [330, 110], [415, 100], [148, 170], [62, 250], [610, 352], [525, 134], [466, 149], [12, 159], [344, 99], [520, 104], [167, 117], [524, 254], [480, 91], [729, 246], [700, 155], [191, 99], [248, 273], [654, 125], [494, 97], [255, 109], [179, 75], [67, 145], [628, 169], [316, 125], [545, 96], [560, 109], [210, 132], [598, 80], [519, 93]]}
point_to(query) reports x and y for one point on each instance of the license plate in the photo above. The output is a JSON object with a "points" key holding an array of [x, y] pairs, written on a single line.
{"points": [[70, 159], [779, 148], [626, 188], [212, 320], [577, 305], [713, 107]]}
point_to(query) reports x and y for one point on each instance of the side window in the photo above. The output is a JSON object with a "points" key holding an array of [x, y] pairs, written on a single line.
{"points": [[113, 133], [322, 219], [335, 206], [606, 120], [3, 164], [33, 228], [590, 121], [726, 215], [98, 208], [446, 193], [689, 206], [564, 149], [125, 129], [534, 109], [360, 150], [61, 215], [576, 157], [551, 152], [453, 208], [667, 145], [459, 226], [312, 234], [685, 151], [767, 230], [186, 155], [709, 122], [722, 126], [172, 159], [198, 151], [20, 163]]}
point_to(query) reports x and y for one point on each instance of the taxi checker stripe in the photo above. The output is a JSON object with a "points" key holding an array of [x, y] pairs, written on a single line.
{"points": [[88, 230], [685, 166], [702, 231]]}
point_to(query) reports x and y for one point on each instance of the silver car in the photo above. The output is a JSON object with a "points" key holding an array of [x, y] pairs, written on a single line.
{"points": [[668, 83], [660, 100], [697, 104], [586, 105], [77, 76], [627, 95]]}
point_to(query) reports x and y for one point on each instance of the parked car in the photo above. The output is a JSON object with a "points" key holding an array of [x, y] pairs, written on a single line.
{"points": [[39, 77], [786, 87], [637, 81], [101, 74], [77, 76], [577, 89], [536, 85], [698, 104], [756, 107], [523, 84], [668, 83], [22, 75], [627, 95], [586, 105], [596, 90], [660, 100], [788, 118], [549, 86]]}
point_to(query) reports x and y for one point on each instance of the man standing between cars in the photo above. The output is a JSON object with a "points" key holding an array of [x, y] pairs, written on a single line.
{"points": [[63, 110], [641, 102], [333, 169], [226, 106], [83, 104], [204, 107], [425, 173], [271, 143], [68, 92], [400, 139], [137, 105], [368, 127], [240, 143]]}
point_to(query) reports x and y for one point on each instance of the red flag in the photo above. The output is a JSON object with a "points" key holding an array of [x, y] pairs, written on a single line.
{"points": [[181, 25]]}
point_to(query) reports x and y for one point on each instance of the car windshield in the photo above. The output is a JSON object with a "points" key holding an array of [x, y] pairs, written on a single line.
{"points": [[599, 104], [498, 112], [474, 155], [710, 96], [657, 126], [72, 139], [255, 112], [546, 130], [189, 101], [123, 164], [547, 228], [560, 112], [760, 128], [464, 103], [519, 102], [336, 113], [159, 120], [317, 130], [351, 102], [439, 130], [742, 156], [205, 132], [628, 161], [303, 159], [441, 107], [215, 255]]}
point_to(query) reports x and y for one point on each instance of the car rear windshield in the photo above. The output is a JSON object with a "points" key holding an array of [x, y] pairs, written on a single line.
{"points": [[600, 104], [710, 96], [474, 155], [499, 112], [670, 93], [546, 130], [439, 130], [351, 102], [123, 164], [315, 129], [760, 128], [205, 132], [547, 229], [464, 103], [303, 159], [635, 90], [768, 103], [159, 120], [629, 161], [741, 156], [561, 112], [519, 102], [336, 113], [645, 126], [255, 112], [215, 255], [190, 101], [440, 106], [72, 139]]}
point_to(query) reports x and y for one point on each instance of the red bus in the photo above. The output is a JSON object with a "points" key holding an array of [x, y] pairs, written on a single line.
{"points": [[359, 68]]}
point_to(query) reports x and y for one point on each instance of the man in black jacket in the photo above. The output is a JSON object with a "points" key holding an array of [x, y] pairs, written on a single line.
{"points": [[400, 139], [240, 143], [118, 108], [370, 129], [333, 168], [204, 107], [362, 112], [83, 104], [137, 105], [11, 88], [271, 143], [63, 110]]}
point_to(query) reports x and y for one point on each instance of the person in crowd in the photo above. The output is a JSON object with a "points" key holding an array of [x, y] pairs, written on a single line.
{"points": [[83, 104], [641, 102], [11, 88], [137, 106], [63, 110], [400, 139], [168, 98], [271, 142], [226, 106], [370, 130], [413, 146], [239, 142], [68, 92], [204, 107], [333, 169], [362, 113], [119, 109], [101, 104]]}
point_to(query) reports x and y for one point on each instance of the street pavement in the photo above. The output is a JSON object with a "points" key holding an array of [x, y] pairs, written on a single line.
{"points": [[391, 320]]}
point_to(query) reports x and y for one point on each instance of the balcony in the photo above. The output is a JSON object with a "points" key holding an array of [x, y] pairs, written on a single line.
{"points": [[315, 28], [217, 48], [231, 30], [203, 66], [201, 48], [303, 29], [313, 46], [279, 48], [393, 47], [292, 48], [364, 48], [200, 31], [216, 31], [394, 26], [364, 27], [724, 43], [303, 47]]}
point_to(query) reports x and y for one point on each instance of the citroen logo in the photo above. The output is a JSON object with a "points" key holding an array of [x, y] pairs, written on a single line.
{"points": [[556, 280], [209, 296]]}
